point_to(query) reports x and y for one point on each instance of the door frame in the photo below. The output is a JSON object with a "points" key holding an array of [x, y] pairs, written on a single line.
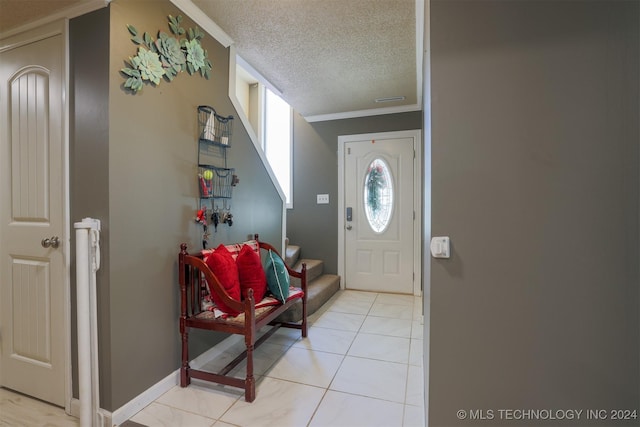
{"points": [[416, 134], [11, 41]]}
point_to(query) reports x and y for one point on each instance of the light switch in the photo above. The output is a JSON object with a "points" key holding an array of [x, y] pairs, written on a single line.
{"points": [[322, 199], [440, 247]]}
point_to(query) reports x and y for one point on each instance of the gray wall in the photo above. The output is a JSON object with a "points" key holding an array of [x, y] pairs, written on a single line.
{"points": [[89, 160], [315, 171], [535, 176], [134, 168]]}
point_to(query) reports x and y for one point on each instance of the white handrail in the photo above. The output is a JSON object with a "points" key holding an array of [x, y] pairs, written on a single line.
{"points": [[87, 263]]}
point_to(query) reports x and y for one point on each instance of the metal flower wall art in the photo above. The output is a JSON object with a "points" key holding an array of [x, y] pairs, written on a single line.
{"points": [[166, 56]]}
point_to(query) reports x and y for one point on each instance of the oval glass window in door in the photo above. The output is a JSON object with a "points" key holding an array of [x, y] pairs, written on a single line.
{"points": [[378, 195]]}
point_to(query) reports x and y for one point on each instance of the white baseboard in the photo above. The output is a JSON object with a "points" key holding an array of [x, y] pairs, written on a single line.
{"points": [[135, 405], [103, 415], [142, 400], [74, 409]]}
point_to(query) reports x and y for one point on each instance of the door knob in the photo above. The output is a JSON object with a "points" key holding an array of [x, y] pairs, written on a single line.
{"points": [[53, 242], [349, 227]]}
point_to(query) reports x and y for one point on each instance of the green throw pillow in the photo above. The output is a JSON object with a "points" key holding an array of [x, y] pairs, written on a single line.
{"points": [[277, 277]]}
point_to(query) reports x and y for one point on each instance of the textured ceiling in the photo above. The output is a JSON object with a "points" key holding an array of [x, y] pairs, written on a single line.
{"points": [[325, 56]]}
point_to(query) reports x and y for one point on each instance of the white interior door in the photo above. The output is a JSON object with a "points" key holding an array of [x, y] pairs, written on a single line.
{"points": [[33, 294], [379, 215]]}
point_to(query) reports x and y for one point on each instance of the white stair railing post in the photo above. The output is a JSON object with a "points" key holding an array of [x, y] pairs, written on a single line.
{"points": [[87, 263]]}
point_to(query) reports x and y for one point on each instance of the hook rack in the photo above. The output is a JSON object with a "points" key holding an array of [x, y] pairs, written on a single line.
{"points": [[215, 180]]}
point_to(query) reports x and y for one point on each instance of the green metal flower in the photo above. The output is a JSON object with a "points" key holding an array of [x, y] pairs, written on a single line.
{"points": [[149, 65], [195, 55], [134, 79], [166, 56], [171, 54], [170, 51]]}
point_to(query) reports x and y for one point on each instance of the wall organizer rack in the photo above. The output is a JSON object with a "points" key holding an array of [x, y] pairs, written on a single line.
{"points": [[215, 179]]}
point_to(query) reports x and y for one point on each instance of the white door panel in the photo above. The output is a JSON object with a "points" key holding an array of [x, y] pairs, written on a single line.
{"points": [[33, 326], [379, 241]]}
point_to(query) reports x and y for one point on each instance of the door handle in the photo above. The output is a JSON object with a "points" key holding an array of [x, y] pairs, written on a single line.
{"points": [[53, 242], [349, 227]]}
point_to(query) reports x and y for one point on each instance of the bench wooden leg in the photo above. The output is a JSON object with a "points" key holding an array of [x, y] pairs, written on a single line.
{"points": [[304, 316], [184, 377], [250, 390], [250, 381], [185, 380]]}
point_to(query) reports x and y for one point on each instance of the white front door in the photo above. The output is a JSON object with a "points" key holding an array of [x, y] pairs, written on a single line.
{"points": [[378, 214], [33, 290]]}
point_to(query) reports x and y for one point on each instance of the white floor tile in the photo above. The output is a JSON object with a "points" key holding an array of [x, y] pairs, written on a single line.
{"points": [[386, 326], [407, 300], [285, 336], [221, 358], [372, 378], [199, 400], [393, 311], [327, 340], [263, 358], [416, 352], [417, 330], [278, 403], [415, 387], [358, 295], [413, 416], [158, 415], [380, 347], [341, 321], [350, 305], [307, 367], [312, 319], [342, 409]]}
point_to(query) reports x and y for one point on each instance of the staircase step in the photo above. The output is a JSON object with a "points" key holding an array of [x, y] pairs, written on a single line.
{"points": [[315, 268], [319, 291], [291, 255]]}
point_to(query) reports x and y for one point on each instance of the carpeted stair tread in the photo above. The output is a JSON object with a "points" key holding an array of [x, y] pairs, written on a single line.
{"points": [[315, 268], [292, 254], [319, 291]]}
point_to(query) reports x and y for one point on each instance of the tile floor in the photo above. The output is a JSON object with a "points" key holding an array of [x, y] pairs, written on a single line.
{"points": [[361, 365]]}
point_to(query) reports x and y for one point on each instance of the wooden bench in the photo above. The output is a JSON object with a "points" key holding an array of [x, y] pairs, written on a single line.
{"points": [[196, 281]]}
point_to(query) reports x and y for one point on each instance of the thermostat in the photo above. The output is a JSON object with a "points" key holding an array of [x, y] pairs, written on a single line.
{"points": [[440, 247]]}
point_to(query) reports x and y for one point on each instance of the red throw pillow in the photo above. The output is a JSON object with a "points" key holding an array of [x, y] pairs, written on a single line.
{"points": [[251, 273], [224, 267]]}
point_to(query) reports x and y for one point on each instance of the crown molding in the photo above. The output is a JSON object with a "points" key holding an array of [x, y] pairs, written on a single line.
{"points": [[363, 113], [199, 17]]}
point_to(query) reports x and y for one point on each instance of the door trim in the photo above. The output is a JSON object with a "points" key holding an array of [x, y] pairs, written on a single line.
{"points": [[32, 35], [416, 134], [75, 10]]}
